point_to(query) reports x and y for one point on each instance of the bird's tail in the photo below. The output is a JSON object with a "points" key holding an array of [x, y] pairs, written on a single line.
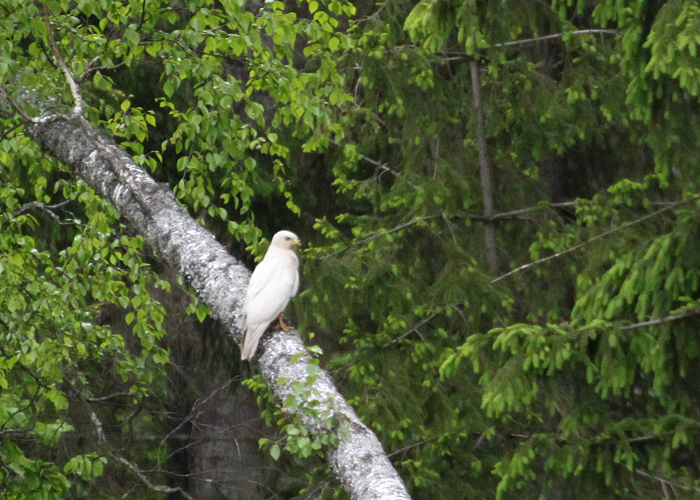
{"points": [[251, 339]]}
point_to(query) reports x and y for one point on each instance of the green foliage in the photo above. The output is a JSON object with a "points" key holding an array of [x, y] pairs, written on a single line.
{"points": [[354, 124], [52, 351], [305, 402], [581, 399]]}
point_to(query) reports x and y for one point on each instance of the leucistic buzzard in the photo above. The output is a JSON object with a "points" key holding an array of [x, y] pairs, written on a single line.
{"points": [[273, 283]]}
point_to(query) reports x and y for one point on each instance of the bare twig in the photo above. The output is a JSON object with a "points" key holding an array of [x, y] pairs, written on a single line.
{"points": [[15, 104], [91, 68], [382, 166], [153, 487], [46, 208], [74, 89], [423, 441], [654, 436], [666, 319], [15, 433], [557, 35], [143, 15], [420, 323], [194, 415], [664, 481], [109, 396], [484, 169], [455, 56], [377, 234], [7, 132], [514, 213], [595, 238]]}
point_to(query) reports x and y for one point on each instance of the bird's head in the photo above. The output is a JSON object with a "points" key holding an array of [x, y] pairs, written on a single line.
{"points": [[285, 240]]}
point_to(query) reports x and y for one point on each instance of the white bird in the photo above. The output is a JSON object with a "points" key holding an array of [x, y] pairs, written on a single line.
{"points": [[273, 283]]}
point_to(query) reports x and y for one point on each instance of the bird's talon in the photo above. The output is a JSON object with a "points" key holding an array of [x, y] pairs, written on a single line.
{"points": [[283, 326]]}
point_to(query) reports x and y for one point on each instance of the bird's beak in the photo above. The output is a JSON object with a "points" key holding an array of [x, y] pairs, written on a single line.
{"points": [[296, 242]]}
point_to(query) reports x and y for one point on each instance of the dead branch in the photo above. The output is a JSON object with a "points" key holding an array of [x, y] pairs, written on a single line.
{"points": [[595, 238], [666, 319]]}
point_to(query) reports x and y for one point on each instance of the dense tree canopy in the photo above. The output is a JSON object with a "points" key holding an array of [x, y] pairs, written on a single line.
{"points": [[499, 208]]}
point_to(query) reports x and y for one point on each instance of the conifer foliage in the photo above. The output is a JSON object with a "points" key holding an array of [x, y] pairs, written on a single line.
{"points": [[499, 208]]}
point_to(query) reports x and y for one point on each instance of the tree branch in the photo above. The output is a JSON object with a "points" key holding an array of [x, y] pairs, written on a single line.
{"points": [[153, 487], [15, 104], [665, 319], [91, 68], [45, 208], [665, 482], [454, 56], [514, 213], [377, 234], [382, 166], [557, 35], [595, 238], [74, 89], [220, 281]]}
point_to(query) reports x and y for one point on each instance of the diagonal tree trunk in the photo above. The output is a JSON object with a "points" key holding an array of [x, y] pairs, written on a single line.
{"points": [[220, 281]]}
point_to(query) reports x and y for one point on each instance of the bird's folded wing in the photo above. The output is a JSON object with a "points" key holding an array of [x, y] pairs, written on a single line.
{"points": [[270, 289]]}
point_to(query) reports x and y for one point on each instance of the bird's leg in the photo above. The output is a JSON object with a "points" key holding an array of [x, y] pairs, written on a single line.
{"points": [[283, 326]]}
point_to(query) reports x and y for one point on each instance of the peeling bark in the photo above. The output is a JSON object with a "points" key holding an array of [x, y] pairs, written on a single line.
{"points": [[220, 282]]}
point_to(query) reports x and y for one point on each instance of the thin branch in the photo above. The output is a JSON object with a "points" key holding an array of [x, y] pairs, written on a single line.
{"points": [[15, 104], [653, 436], [416, 326], [595, 238], [382, 166], [423, 441], [26, 117], [666, 319], [143, 15], [75, 91], [456, 56], [371, 236], [16, 434], [513, 213], [484, 169], [109, 396], [46, 208], [516, 214], [91, 68], [377, 234], [153, 487], [99, 429], [665, 481], [7, 132], [557, 35]]}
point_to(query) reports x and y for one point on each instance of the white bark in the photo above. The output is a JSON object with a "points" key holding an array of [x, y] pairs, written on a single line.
{"points": [[220, 281]]}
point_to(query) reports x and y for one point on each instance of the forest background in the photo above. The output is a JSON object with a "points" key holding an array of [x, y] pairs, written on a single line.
{"points": [[426, 153]]}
